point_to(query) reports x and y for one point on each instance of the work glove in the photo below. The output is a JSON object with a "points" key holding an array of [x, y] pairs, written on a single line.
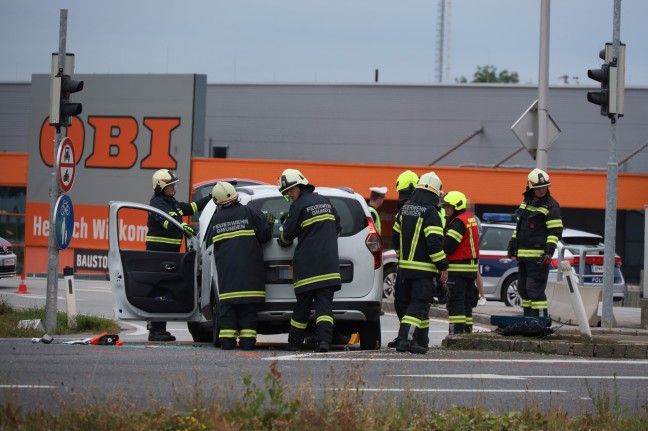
{"points": [[283, 244], [188, 230], [546, 259], [270, 219]]}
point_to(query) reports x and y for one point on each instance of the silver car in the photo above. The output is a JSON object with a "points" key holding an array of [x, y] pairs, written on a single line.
{"points": [[191, 276]]}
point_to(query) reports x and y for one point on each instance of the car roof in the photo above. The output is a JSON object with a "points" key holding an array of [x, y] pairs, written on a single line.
{"points": [[265, 191]]}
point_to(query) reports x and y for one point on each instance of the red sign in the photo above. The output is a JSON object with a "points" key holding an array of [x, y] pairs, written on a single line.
{"points": [[66, 164]]}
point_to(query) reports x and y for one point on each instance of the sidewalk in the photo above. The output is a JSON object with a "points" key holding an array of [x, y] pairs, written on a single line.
{"points": [[625, 340]]}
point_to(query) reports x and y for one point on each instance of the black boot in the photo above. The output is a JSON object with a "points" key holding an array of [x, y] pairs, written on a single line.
{"points": [[161, 336], [393, 343], [416, 348], [323, 347]]}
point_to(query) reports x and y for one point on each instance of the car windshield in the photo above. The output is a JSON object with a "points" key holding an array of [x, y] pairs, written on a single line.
{"points": [[352, 217]]}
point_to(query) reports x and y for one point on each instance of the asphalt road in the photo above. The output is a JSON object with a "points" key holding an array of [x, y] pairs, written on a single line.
{"points": [[37, 375]]}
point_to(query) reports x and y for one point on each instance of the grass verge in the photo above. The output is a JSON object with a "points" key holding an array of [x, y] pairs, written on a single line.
{"points": [[10, 317]]}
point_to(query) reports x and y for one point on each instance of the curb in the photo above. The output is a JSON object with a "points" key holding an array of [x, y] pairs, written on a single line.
{"points": [[603, 345]]}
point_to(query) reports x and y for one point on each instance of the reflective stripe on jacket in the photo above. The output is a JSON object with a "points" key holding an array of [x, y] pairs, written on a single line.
{"points": [[161, 236], [461, 244], [538, 229]]}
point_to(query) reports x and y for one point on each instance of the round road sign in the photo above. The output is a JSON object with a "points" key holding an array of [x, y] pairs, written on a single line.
{"points": [[64, 221], [66, 164]]}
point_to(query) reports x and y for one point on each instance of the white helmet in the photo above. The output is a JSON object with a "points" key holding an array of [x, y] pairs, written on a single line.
{"points": [[224, 193], [431, 182], [163, 178], [289, 179], [538, 178]]}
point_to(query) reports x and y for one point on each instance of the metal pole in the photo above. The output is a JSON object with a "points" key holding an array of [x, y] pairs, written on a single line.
{"points": [[543, 86], [52, 248], [607, 318]]}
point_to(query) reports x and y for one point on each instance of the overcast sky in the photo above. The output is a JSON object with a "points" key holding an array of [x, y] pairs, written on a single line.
{"points": [[323, 41]]}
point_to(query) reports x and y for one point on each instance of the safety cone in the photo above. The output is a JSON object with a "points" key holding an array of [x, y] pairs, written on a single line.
{"points": [[22, 288]]}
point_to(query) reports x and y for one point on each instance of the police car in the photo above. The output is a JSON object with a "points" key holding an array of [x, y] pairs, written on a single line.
{"points": [[500, 272], [189, 283]]}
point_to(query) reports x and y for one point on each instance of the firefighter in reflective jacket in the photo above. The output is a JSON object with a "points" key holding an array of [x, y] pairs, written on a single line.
{"points": [[162, 236], [536, 235], [316, 224], [461, 245], [418, 239], [237, 232]]}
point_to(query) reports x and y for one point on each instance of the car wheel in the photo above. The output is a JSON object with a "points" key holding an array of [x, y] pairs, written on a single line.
{"points": [[370, 335], [510, 294], [200, 332], [389, 283]]}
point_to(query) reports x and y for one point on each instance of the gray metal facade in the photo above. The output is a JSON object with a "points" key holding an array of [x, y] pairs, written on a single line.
{"points": [[388, 124]]}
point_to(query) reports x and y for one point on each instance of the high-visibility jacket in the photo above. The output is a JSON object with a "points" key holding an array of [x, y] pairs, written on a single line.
{"points": [[237, 232], [161, 236], [461, 244], [418, 236], [538, 229], [315, 223], [376, 218]]}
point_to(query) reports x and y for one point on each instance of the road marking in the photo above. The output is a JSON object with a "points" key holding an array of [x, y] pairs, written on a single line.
{"points": [[405, 357], [26, 387], [477, 390], [507, 377], [139, 329]]}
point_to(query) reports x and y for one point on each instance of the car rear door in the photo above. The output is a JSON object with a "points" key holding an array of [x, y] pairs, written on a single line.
{"points": [[494, 264], [149, 285]]}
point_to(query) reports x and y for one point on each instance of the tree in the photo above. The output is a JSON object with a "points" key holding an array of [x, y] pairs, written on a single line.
{"points": [[488, 74]]}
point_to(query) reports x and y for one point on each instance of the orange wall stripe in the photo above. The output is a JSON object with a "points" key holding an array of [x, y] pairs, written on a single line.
{"points": [[481, 185], [14, 169]]}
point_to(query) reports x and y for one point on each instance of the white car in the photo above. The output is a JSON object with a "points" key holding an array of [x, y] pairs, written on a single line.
{"points": [[7, 259], [150, 285], [500, 273]]}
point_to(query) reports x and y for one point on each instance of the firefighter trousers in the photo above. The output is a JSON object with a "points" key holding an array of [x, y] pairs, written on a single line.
{"points": [[322, 298], [461, 296], [415, 323], [237, 321], [532, 283]]}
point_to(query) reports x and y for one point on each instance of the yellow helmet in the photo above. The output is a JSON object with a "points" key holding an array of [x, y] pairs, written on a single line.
{"points": [[289, 179], [456, 200], [538, 178], [224, 193], [407, 179], [431, 182], [163, 178]]}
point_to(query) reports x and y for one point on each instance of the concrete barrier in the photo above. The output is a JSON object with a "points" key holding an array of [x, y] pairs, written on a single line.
{"points": [[560, 306]]}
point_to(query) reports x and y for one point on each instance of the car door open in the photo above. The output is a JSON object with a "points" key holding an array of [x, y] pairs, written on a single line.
{"points": [[149, 285]]}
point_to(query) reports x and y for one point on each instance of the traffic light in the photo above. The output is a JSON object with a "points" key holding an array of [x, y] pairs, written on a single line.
{"points": [[62, 86], [606, 98]]}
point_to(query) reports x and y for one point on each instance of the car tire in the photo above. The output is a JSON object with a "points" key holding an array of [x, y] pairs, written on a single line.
{"points": [[510, 295], [200, 332], [370, 335], [389, 283]]}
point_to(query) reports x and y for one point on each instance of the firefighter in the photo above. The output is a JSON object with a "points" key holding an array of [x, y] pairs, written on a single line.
{"points": [[162, 236], [461, 245], [418, 239], [405, 185], [316, 225], [237, 232], [376, 199], [536, 235]]}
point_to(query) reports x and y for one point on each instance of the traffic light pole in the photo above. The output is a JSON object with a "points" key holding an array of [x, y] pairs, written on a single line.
{"points": [[543, 87], [607, 315], [52, 248]]}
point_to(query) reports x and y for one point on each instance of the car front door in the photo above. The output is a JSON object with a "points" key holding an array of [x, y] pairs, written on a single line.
{"points": [[149, 285]]}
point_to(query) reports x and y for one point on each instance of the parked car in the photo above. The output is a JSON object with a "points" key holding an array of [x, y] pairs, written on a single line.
{"points": [[191, 276], [7, 259], [500, 272]]}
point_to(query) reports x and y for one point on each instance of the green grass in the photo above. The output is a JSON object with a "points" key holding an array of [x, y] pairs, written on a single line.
{"points": [[274, 405], [10, 317]]}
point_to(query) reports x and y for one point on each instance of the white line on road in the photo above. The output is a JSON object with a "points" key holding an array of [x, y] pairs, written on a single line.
{"points": [[507, 377], [499, 391], [26, 387]]}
